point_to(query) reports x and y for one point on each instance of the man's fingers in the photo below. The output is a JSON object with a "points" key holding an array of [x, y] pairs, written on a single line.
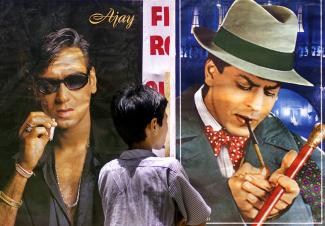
{"points": [[289, 197], [281, 205], [235, 183], [256, 202], [247, 168], [251, 214], [276, 175], [274, 211], [247, 203], [245, 206], [39, 132], [256, 185], [278, 207], [259, 181], [289, 185], [239, 195], [288, 159], [251, 188], [40, 120], [37, 114]]}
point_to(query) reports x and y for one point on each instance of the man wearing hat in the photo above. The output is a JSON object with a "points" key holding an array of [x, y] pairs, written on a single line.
{"points": [[249, 57]]}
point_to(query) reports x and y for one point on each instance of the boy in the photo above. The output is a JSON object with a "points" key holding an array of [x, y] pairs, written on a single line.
{"points": [[140, 188]]}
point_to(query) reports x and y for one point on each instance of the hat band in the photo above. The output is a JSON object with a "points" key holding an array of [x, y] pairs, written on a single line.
{"points": [[253, 53]]}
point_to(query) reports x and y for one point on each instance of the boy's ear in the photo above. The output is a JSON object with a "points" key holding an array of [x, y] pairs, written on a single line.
{"points": [[154, 126]]}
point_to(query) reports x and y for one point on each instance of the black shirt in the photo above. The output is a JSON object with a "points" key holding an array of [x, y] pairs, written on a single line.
{"points": [[42, 201]]}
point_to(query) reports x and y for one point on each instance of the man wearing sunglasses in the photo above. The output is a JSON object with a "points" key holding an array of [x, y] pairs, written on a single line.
{"points": [[55, 182]]}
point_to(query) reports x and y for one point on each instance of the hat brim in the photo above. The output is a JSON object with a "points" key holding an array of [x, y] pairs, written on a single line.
{"points": [[204, 37]]}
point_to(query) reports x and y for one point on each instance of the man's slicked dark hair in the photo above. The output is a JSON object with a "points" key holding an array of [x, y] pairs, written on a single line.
{"points": [[220, 65], [53, 43], [133, 108]]}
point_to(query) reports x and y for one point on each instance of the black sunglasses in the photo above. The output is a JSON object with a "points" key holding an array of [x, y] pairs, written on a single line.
{"points": [[72, 82]]}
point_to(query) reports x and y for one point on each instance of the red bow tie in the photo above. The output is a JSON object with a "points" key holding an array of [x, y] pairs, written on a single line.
{"points": [[235, 144]]}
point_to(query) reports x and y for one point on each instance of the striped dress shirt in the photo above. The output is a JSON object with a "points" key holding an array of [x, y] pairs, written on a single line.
{"points": [[141, 189]]}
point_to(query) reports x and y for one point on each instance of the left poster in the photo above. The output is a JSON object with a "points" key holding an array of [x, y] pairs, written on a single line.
{"points": [[113, 30]]}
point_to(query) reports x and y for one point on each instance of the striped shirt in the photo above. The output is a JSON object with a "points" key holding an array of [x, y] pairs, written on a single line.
{"points": [[140, 189]]}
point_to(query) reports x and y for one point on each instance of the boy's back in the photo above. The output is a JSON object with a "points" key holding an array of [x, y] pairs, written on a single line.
{"points": [[142, 189]]}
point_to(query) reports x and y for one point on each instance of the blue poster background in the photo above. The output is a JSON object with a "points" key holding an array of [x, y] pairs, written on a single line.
{"points": [[298, 107]]}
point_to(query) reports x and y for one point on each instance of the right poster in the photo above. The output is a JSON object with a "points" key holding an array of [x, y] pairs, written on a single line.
{"points": [[249, 93]]}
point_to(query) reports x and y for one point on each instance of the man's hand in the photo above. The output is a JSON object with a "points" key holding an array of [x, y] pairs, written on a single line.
{"points": [[34, 135], [290, 186], [249, 187]]}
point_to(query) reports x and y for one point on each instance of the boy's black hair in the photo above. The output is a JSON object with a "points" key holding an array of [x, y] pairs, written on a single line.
{"points": [[133, 108]]}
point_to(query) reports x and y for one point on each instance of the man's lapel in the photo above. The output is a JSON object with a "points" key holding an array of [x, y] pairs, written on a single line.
{"points": [[203, 169], [201, 165], [274, 142], [201, 158]]}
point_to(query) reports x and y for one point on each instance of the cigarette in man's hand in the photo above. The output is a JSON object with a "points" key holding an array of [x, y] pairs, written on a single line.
{"points": [[51, 135]]}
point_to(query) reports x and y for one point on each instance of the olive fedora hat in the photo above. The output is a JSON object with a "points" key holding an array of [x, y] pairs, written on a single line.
{"points": [[257, 39]]}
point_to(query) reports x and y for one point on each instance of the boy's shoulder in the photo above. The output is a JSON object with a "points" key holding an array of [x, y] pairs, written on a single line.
{"points": [[165, 162], [170, 163], [111, 165]]}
